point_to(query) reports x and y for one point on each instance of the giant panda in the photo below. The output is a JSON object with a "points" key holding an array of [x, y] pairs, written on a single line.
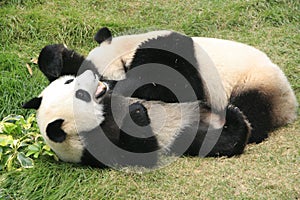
{"points": [[74, 112], [249, 79]]}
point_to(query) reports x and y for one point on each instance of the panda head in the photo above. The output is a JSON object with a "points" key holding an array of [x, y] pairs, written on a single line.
{"points": [[68, 106]]}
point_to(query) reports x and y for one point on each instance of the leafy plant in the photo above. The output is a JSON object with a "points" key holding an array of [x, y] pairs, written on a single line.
{"points": [[21, 142]]}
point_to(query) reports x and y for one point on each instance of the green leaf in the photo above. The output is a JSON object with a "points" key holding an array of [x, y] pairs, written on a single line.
{"points": [[49, 153], [9, 127], [24, 161], [36, 155], [23, 143], [9, 162], [34, 148], [46, 147], [31, 119], [26, 126], [6, 140], [29, 153]]}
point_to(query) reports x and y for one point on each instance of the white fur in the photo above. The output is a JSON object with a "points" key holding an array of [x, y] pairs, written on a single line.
{"points": [[212, 79], [168, 120]]}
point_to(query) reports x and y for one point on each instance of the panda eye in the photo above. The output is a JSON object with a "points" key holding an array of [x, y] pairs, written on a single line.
{"points": [[69, 81], [83, 95]]}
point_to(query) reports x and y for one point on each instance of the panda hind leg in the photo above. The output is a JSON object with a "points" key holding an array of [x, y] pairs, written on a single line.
{"points": [[257, 107], [230, 140], [234, 135]]}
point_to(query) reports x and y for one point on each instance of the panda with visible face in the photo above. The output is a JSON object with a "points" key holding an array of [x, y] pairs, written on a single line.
{"points": [[250, 80], [73, 111]]}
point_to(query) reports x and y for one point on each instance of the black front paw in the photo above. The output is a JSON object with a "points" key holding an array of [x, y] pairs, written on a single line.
{"points": [[139, 114]]}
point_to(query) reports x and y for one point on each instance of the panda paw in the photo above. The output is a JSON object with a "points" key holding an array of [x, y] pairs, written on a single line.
{"points": [[139, 114]]}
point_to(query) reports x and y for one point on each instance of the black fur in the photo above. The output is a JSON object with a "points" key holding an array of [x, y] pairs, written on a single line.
{"points": [[83, 95], [34, 103], [94, 141], [102, 35], [229, 141], [139, 114], [89, 160], [56, 60], [109, 126], [145, 140], [54, 131], [175, 51], [234, 135], [257, 107]]}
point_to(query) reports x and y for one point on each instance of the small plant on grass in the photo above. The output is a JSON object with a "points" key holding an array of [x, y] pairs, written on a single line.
{"points": [[21, 142]]}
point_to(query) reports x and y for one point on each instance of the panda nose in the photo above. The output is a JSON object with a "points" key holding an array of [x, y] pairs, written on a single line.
{"points": [[101, 90]]}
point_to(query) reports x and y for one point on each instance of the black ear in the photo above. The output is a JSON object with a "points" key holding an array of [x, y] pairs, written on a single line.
{"points": [[102, 35], [50, 61], [56, 60], [33, 103], [54, 131]]}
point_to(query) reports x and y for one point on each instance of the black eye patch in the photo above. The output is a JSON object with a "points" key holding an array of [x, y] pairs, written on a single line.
{"points": [[83, 95], [69, 81]]}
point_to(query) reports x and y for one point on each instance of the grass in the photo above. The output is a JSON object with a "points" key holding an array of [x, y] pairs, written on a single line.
{"points": [[269, 170]]}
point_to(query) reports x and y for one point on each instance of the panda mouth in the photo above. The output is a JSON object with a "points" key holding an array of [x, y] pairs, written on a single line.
{"points": [[101, 90]]}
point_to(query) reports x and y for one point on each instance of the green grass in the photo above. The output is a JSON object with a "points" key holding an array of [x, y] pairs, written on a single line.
{"points": [[270, 170]]}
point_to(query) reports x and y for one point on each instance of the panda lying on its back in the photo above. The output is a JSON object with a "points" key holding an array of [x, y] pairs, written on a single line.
{"points": [[250, 80], [70, 112]]}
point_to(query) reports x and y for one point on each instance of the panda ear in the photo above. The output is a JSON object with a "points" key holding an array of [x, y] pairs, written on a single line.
{"points": [[50, 61], [103, 35], [54, 131], [33, 103]]}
